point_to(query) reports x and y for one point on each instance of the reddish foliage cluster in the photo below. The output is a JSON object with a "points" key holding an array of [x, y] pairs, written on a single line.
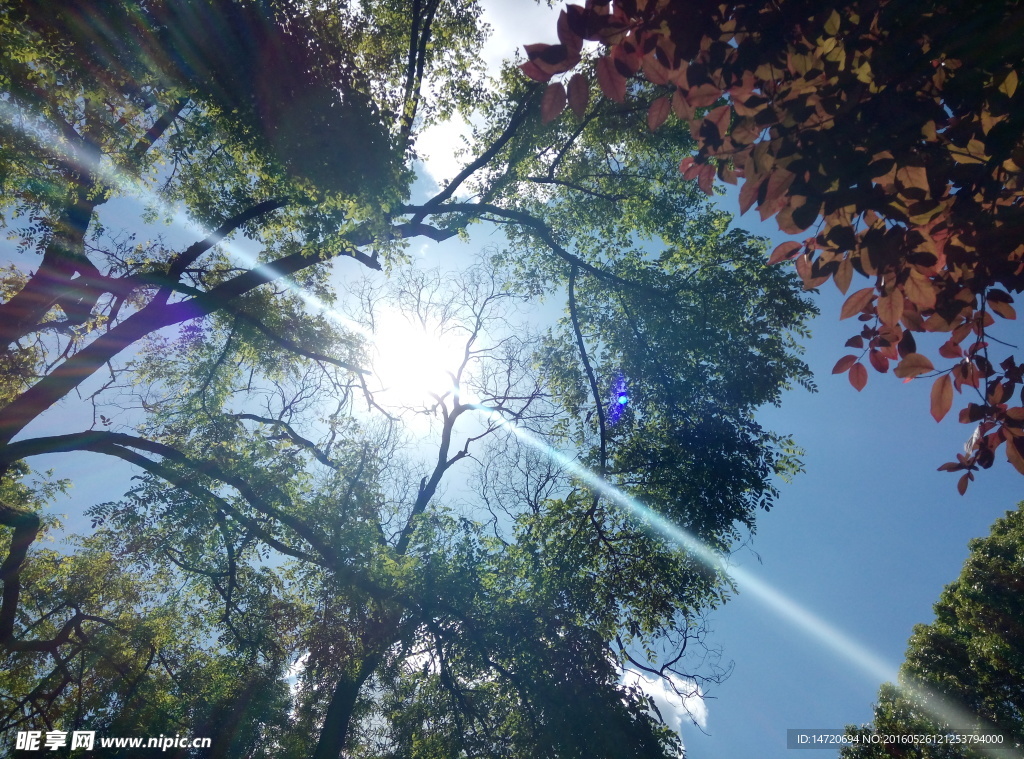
{"points": [[894, 127]]}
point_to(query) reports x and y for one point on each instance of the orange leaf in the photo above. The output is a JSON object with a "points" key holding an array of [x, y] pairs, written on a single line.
{"points": [[844, 364], [857, 302], [658, 112], [942, 397], [858, 376], [913, 365], [613, 84], [784, 252], [552, 103], [579, 95]]}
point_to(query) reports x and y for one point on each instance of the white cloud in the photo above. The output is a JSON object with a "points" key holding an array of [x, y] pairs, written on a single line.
{"points": [[675, 709]]}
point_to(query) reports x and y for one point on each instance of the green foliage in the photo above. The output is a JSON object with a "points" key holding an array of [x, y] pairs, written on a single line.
{"points": [[287, 571], [971, 656]]}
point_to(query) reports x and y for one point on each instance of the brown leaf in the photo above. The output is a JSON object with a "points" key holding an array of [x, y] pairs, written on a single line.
{"points": [[579, 95], [1013, 455], [858, 376], [961, 485], [658, 112], [843, 275], [879, 361], [913, 365], [844, 364], [920, 291], [890, 308], [1005, 310], [942, 397], [784, 252], [857, 302], [703, 96], [552, 103], [720, 118], [949, 349], [779, 182], [613, 84]]}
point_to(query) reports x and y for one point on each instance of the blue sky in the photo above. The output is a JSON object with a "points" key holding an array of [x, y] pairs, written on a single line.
{"points": [[864, 540]]}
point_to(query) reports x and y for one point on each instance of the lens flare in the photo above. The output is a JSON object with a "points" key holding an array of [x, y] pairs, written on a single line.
{"points": [[863, 660]]}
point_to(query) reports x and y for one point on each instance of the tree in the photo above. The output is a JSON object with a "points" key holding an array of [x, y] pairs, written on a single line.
{"points": [[971, 655], [893, 128], [287, 514], [305, 541]]}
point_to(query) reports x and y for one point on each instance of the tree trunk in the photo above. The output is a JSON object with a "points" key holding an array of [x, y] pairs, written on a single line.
{"points": [[339, 712]]}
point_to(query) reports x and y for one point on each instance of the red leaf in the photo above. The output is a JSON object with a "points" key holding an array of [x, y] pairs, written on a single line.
{"points": [[534, 71], [748, 194], [658, 112], [706, 179], [913, 365], [567, 36], [654, 71], [880, 362], [961, 486], [553, 102], [613, 84], [858, 376], [689, 167], [579, 95], [844, 364], [857, 302], [784, 252]]}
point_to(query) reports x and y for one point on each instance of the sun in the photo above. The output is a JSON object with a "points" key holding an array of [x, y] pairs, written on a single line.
{"points": [[414, 361]]}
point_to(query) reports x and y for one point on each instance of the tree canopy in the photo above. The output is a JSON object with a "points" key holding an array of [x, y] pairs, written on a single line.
{"points": [[971, 655], [287, 572], [892, 128]]}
